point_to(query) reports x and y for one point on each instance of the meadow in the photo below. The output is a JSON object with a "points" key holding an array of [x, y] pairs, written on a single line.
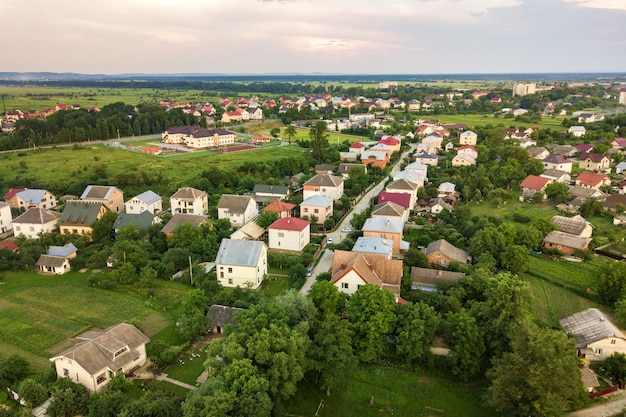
{"points": [[39, 314], [472, 120]]}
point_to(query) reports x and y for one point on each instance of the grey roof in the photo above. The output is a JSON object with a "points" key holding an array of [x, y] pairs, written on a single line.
{"points": [[249, 231], [97, 192], [409, 175], [417, 166], [223, 315], [554, 173], [373, 244], [449, 250], [573, 225], [37, 216], [142, 220], [383, 224], [188, 193], [239, 252], [388, 208], [402, 184], [32, 196], [589, 326], [566, 239], [148, 197], [317, 201], [62, 251], [178, 219], [80, 213], [51, 261], [235, 203], [96, 350], [433, 277], [346, 168], [446, 187], [271, 189], [579, 191], [325, 180]]}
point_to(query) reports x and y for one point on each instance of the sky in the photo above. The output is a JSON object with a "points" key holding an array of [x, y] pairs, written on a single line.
{"points": [[310, 36]]}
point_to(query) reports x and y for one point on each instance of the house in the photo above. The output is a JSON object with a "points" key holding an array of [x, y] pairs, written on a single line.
{"points": [[99, 355], [323, 184], [374, 245], [411, 176], [612, 203], [263, 192], [79, 216], [584, 147], [417, 167], [446, 189], [564, 150], [621, 167], [324, 169], [467, 150], [427, 159], [241, 263], [592, 180], [189, 201], [468, 138], [34, 222], [538, 152], [596, 336], [432, 141], [8, 245], [442, 253], [147, 201], [532, 185], [437, 205], [6, 218], [180, 219], [317, 207], [576, 225], [57, 259], [391, 210], [427, 279], [345, 169], [593, 161], [289, 234], [389, 229], [358, 148], [375, 159], [220, 316], [557, 162], [198, 137], [351, 270], [28, 198], [403, 186], [619, 143], [249, 231], [142, 221], [283, 209], [463, 160], [403, 200], [111, 197], [565, 242], [238, 209], [557, 176], [577, 131]]}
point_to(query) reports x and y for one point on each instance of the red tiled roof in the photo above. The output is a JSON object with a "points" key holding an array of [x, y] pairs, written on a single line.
{"points": [[584, 147], [290, 223], [279, 206], [357, 145], [590, 178], [534, 182], [10, 246], [12, 192], [389, 141], [399, 198]]}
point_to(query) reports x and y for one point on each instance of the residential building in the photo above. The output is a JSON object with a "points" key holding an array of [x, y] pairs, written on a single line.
{"points": [[427, 159], [142, 221], [99, 355], [374, 245], [28, 198], [351, 270], [417, 167], [241, 263], [6, 218], [522, 89], [565, 242], [437, 205], [180, 219], [189, 201], [403, 186], [389, 229], [593, 161], [323, 184], [35, 221], [613, 203], [442, 253], [263, 193], [463, 160], [557, 176], [391, 210], [345, 169], [577, 131], [220, 316], [238, 209], [375, 159], [427, 279], [57, 260], [282, 208], [576, 225], [317, 207], [147, 201], [592, 180], [557, 162], [532, 185], [596, 337], [111, 197], [78, 217], [411, 176], [403, 200], [289, 234], [468, 138], [198, 137], [538, 152]]}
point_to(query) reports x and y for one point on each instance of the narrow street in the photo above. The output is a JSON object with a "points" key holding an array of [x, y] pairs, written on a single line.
{"points": [[616, 404], [326, 258]]}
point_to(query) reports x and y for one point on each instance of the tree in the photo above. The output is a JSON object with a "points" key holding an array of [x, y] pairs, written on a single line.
{"points": [[417, 324], [612, 280], [106, 404], [68, 399], [266, 218], [319, 141], [515, 259], [103, 227], [290, 132], [415, 257], [590, 207], [467, 344], [615, 366], [194, 321], [370, 310], [13, 369], [538, 377], [32, 392]]}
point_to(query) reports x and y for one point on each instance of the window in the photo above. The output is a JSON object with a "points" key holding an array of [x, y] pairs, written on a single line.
{"points": [[281, 234], [119, 352], [316, 211], [230, 270], [17, 228], [230, 281], [222, 274], [66, 372], [598, 351], [101, 378], [612, 341], [444, 261], [344, 285]]}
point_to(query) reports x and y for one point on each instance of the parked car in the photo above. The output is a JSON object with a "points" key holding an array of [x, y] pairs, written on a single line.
{"points": [[309, 271], [346, 229], [329, 241]]}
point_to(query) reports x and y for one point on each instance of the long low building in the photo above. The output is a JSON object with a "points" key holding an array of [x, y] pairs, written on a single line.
{"points": [[198, 137]]}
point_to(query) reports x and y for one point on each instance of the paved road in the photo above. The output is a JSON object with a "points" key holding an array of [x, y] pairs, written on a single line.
{"points": [[612, 408], [326, 262]]}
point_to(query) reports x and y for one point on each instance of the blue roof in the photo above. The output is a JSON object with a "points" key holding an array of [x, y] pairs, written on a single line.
{"points": [[148, 197], [373, 244], [32, 196], [318, 201], [383, 224], [62, 251]]}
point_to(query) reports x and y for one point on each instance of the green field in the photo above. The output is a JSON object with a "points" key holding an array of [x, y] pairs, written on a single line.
{"points": [[397, 391], [472, 120], [39, 314]]}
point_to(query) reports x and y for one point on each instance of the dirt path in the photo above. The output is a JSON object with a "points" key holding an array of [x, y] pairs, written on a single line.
{"points": [[616, 405]]}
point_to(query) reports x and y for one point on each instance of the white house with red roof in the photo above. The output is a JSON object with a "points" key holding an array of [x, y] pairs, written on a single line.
{"points": [[282, 208], [592, 180], [532, 185], [392, 142], [289, 234], [468, 150]]}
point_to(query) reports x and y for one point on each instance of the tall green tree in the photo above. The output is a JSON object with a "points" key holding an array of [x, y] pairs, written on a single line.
{"points": [[467, 344], [417, 324], [319, 140], [290, 132]]}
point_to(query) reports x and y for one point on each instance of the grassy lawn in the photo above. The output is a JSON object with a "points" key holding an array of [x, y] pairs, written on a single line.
{"points": [[399, 392], [191, 369], [483, 119], [39, 314], [169, 387], [275, 285], [581, 275]]}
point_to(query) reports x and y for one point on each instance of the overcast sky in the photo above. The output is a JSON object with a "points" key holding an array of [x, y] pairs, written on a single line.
{"points": [[329, 36]]}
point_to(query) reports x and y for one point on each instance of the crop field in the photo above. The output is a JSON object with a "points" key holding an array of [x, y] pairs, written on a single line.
{"points": [[398, 392], [483, 119], [39, 314], [581, 275]]}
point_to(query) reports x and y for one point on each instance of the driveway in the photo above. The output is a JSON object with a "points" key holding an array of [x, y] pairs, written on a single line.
{"points": [[612, 408], [326, 262]]}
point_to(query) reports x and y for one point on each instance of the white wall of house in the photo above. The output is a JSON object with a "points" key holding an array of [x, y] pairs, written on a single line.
{"points": [[602, 349], [6, 220], [199, 206], [349, 283], [331, 192], [289, 240], [136, 206], [32, 230], [243, 276], [239, 219]]}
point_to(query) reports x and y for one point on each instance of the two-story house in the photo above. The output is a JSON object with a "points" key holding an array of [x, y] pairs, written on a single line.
{"points": [[238, 209], [147, 201], [323, 184], [389, 229], [557, 162], [29, 198], [35, 221], [289, 234], [241, 263], [189, 201], [317, 207], [111, 197]]}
